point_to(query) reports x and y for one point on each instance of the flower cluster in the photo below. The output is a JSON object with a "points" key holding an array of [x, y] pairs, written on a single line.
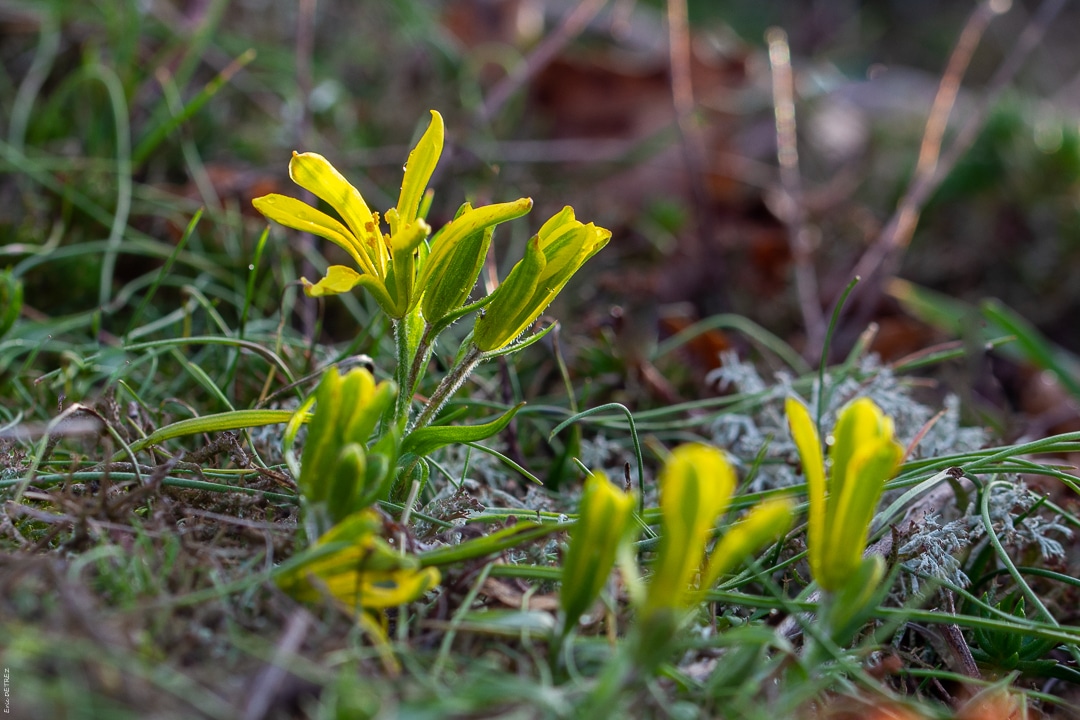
{"points": [[402, 273]]}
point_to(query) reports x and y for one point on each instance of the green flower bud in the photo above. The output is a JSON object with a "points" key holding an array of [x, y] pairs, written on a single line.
{"points": [[604, 518], [552, 257], [457, 253], [335, 464]]}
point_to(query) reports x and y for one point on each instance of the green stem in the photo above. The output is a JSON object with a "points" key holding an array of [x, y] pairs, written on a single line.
{"points": [[420, 360], [619, 673], [410, 331], [401, 343], [449, 386], [814, 652]]}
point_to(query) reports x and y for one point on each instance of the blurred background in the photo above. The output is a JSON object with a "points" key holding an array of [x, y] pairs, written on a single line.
{"points": [[658, 120]]}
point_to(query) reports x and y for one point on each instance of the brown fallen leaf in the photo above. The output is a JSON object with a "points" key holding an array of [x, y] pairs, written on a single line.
{"points": [[508, 596]]}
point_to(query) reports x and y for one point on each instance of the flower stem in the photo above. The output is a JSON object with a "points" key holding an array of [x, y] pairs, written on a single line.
{"points": [[420, 360], [401, 343], [449, 386], [409, 333]]}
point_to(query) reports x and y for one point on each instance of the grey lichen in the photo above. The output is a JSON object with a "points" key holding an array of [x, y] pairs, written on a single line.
{"points": [[933, 552], [744, 433]]}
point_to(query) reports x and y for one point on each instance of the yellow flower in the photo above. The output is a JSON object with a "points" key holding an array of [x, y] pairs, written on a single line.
{"points": [[386, 260], [695, 489], [864, 456], [363, 573], [763, 524]]}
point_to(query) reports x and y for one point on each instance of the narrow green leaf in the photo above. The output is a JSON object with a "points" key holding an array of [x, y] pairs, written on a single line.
{"points": [[1036, 347], [512, 536], [233, 420], [11, 300], [428, 439]]}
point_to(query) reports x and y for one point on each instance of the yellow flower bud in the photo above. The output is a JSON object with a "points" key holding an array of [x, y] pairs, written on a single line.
{"points": [[864, 456]]}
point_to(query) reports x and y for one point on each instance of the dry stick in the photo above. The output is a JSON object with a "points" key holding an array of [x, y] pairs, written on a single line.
{"points": [[794, 209], [934, 166], [693, 143], [269, 681], [305, 44], [571, 26]]}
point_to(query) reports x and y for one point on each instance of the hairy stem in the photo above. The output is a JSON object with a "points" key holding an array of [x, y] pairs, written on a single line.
{"points": [[404, 362], [420, 360], [449, 386]]}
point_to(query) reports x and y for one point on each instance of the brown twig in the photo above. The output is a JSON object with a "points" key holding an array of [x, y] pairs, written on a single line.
{"points": [[571, 26], [954, 638], [934, 165], [269, 681], [794, 209]]}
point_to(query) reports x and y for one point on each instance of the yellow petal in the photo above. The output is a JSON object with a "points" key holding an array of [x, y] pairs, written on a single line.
{"points": [[418, 169], [339, 279], [864, 456], [298, 215], [861, 422], [380, 589], [695, 487], [804, 433], [313, 172], [764, 523]]}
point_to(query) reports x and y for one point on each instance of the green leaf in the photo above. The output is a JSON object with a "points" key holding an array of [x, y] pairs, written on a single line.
{"points": [[457, 254], [521, 344], [450, 289], [233, 420], [11, 299], [346, 482], [1036, 347], [852, 604], [518, 534], [426, 440], [933, 308]]}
